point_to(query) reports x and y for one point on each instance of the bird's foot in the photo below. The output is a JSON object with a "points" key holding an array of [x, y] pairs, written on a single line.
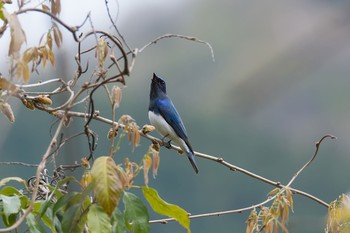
{"points": [[166, 144]]}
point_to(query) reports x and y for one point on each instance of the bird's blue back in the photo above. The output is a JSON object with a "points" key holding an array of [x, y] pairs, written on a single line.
{"points": [[165, 107]]}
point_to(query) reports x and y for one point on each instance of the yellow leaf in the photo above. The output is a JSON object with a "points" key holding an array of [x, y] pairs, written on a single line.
{"points": [[85, 179], [162, 207], [106, 183]]}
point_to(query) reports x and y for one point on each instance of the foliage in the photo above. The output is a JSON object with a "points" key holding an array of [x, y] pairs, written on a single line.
{"points": [[339, 215], [106, 199]]}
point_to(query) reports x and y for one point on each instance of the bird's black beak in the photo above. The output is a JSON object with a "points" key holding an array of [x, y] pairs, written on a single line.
{"points": [[154, 77]]}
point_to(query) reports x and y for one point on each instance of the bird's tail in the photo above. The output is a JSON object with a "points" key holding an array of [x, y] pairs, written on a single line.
{"points": [[193, 162]]}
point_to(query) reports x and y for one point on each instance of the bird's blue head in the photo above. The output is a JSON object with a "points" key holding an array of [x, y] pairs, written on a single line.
{"points": [[158, 87]]}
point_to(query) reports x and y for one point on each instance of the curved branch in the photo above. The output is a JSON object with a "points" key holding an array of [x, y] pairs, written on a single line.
{"points": [[37, 180], [210, 157], [182, 37], [73, 30], [166, 220]]}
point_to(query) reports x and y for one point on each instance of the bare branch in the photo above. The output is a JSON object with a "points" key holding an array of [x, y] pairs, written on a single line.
{"points": [[182, 37], [37, 180], [205, 156]]}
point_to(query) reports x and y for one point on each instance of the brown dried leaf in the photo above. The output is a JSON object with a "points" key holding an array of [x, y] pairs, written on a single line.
{"points": [[147, 163], [43, 53], [7, 85], [136, 137], [51, 57], [7, 111], [116, 96], [274, 191], [28, 103], [44, 99], [85, 163], [125, 119], [156, 161], [45, 8], [24, 67], [156, 146], [147, 129], [27, 55], [112, 133], [18, 36], [125, 179], [49, 40], [101, 50], [252, 222], [289, 196], [55, 7], [57, 35], [26, 72]]}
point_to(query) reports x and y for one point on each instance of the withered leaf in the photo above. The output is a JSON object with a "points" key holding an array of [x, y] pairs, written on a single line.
{"points": [[55, 7], [116, 96], [18, 36], [7, 111]]}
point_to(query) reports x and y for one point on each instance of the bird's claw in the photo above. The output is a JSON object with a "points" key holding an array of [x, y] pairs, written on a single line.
{"points": [[166, 144]]}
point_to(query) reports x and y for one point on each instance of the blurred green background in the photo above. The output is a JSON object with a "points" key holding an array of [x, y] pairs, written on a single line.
{"points": [[279, 82]]}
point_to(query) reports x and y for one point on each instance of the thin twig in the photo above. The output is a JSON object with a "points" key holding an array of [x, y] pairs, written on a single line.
{"points": [[37, 180], [182, 37], [205, 156], [19, 163], [166, 220]]}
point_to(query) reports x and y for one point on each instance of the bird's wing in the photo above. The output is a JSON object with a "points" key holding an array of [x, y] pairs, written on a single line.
{"points": [[168, 111]]}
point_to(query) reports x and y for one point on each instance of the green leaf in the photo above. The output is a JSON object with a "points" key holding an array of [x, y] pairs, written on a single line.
{"points": [[106, 183], [118, 223], [33, 225], [46, 216], [135, 214], [73, 220], [2, 17], [164, 208], [11, 205], [10, 191], [25, 202], [65, 201], [98, 221], [10, 220], [56, 190]]}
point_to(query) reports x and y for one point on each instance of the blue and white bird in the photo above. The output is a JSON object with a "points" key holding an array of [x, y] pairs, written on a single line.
{"points": [[165, 118]]}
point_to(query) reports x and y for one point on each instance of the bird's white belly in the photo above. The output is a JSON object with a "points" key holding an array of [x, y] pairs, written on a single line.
{"points": [[166, 130]]}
